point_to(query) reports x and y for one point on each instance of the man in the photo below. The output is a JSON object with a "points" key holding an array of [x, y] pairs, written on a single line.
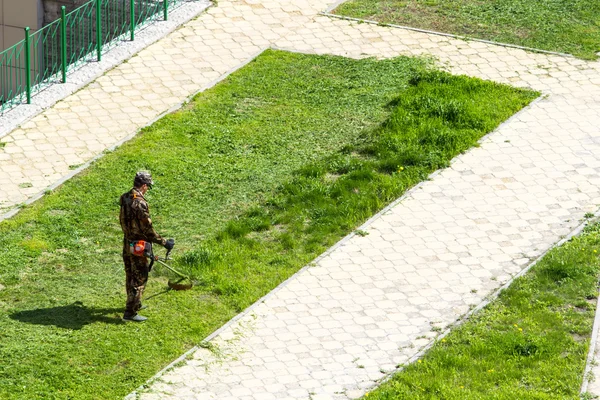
{"points": [[137, 229]]}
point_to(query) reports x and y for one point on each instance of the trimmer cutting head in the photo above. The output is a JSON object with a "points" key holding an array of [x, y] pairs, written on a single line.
{"points": [[181, 284]]}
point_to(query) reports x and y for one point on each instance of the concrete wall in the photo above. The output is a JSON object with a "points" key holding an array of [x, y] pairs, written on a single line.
{"points": [[16, 15]]}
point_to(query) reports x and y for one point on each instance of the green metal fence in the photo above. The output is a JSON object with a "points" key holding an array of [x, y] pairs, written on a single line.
{"points": [[44, 50], [48, 54], [12, 78]]}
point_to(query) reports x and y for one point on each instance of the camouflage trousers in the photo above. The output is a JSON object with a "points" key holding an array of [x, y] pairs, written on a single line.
{"points": [[136, 277]]}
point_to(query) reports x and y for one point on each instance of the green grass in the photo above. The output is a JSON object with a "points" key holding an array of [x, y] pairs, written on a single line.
{"points": [[530, 343], [254, 178], [567, 26]]}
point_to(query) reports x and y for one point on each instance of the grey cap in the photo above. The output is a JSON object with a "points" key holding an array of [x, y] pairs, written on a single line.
{"points": [[141, 178]]}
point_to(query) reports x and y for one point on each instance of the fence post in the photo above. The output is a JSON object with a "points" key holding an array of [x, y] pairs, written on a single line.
{"points": [[27, 66], [166, 9], [132, 12], [98, 31], [63, 43]]}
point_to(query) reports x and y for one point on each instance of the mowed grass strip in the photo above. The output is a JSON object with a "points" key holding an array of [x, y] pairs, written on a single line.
{"points": [[566, 26], [530, 343], [432, 120], [254, 178]]}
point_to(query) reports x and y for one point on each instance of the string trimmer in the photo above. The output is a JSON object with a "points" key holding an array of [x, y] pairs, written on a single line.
{"points": [[184, 283], [143, 248]]}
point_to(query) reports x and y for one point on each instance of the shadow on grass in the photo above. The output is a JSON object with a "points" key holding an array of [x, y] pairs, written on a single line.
{"points": [[73, 316]]}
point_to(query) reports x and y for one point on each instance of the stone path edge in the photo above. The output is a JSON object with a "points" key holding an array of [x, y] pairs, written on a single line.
{"points": [[90, 71], [494, 295], [327, 13], [133, 395], [332, 7], [15, 210], [587, 372], [592, 350]]}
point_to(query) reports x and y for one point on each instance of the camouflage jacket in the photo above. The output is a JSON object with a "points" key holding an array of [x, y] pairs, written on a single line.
{"points": [[135, 218]]}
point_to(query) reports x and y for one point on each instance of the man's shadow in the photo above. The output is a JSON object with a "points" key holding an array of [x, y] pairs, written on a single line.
{"points": [[73, 316]]}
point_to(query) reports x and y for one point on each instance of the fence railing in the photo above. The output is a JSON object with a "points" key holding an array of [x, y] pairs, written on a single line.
{"points": [[47, 55]]}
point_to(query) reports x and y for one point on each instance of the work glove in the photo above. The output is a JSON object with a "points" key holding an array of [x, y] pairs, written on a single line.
{"points": [[170, 244]]}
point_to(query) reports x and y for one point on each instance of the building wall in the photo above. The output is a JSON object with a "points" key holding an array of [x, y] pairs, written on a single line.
{"points": [[52, 8], [15, 15]]}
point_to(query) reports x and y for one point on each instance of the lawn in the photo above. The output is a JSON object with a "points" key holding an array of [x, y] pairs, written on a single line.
{"points": [[530, 343], [566, 26], [254, 179]]}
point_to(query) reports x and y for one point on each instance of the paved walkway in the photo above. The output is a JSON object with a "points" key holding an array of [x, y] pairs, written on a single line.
{"points": [[371, 303]]}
